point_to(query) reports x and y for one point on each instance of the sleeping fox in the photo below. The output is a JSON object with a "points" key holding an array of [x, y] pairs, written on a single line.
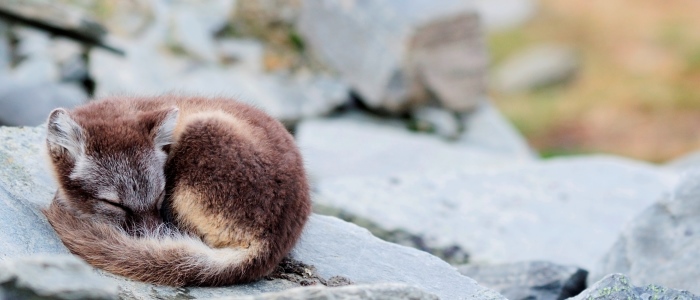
{"points": [[176, 190]]}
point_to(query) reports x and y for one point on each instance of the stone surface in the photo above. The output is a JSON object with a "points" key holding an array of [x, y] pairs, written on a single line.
{"points": [[406, 53], [191, 33], [146, 70], [354, 292], [486, 128], [44, 97], [505, 14], [244, 53], [536, 67], [53, 277], [5, 51], [269, 12], [535, 280], [359, 145], [56, 20], [568, 211], [618, 286], [685, 163], [285, 97], [333, 247], [437, 120], [662, 244]]}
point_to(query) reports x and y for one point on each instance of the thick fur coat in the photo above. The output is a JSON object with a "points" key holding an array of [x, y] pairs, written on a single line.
{"points": [[176, 190]]}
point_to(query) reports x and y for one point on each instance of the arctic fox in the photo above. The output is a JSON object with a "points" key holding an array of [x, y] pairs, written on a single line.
{"points": [[176, 190]]}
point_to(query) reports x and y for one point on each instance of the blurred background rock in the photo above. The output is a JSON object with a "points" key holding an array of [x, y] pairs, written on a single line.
{"points": [[574, 77]]}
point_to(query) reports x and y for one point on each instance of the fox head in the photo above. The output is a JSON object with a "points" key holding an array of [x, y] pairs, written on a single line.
{"points": [[112, 169]]}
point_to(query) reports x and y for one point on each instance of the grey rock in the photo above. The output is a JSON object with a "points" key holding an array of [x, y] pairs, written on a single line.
{"points": [[440, 121], [212, 14], [53, 277], [145, 69], [662, 244], [536, 67], [37, 64], [30, 104], [244, 53], [25, 187], [5, 52], [505, 14], [32, 42], [391, 262], [35, 70], [486, 128], [68, 56], [354, 292], [63, 50], [685, 163], [129, 18], [269, 12], [618, 286], [194, 23], [359, 145], [56, 20], [536, 280], [333, 247], [192, 35], [503, 214], [406, 53], [285, 97]]}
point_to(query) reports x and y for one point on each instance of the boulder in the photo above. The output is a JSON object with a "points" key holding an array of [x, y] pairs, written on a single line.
{"points": [[286, 97], [407, 54], [55, 20], [30, 104], [244, 53], [685, 163], [361, 145], [385, 291], [336, 251], [53, 277], [618, 286], [500, 15], [437, 120], [487, 129], [532, 280], [568, 210], [5, 50], [536, 67], [147, 70], [662, 244]]}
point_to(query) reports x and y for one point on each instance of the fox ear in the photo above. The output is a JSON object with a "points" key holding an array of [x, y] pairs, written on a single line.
{"points": [[64, 134], [165, 129]]}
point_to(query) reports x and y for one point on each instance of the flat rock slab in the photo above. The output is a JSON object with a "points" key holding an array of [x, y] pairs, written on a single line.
{"points": [[393, 52], [359, 145], [535, 280], [58, 21], [618, 286], [662, 244], [568, 211], [355, 292], [53, 277], [333, 247]]}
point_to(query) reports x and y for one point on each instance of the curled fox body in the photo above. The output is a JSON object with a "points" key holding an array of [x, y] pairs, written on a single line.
{"points": [[176, 190]]}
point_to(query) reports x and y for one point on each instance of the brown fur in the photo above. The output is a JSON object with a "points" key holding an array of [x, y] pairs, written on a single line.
{"points": [[234, 187]]}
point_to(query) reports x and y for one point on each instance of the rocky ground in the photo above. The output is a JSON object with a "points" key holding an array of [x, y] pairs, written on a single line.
{"points": [[421, 189]]}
